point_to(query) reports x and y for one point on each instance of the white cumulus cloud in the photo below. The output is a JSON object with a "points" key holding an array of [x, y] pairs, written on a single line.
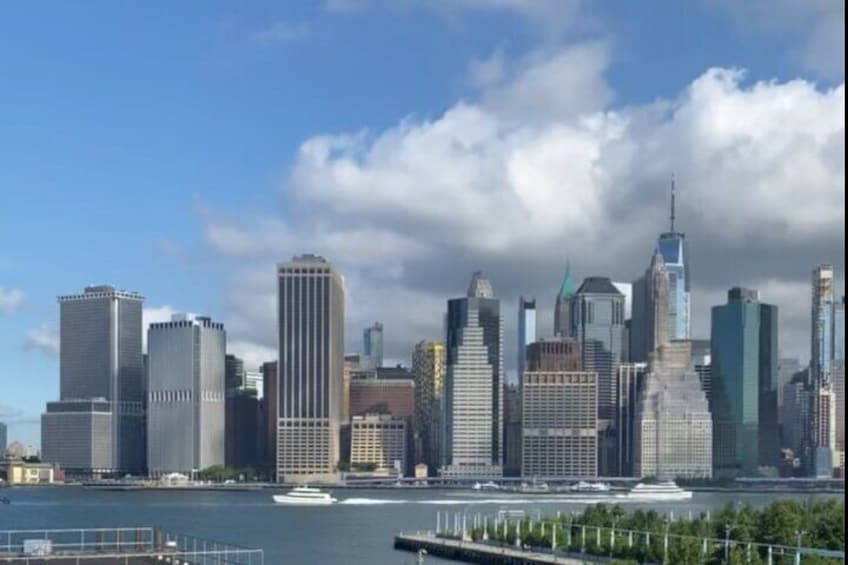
{"points": [[10, 299]]}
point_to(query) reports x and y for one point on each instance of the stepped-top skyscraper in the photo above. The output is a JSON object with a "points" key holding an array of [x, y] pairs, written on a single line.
{"points": [[472, 427], [562, 308], [310, 299], [98, 425], [675, 252]]}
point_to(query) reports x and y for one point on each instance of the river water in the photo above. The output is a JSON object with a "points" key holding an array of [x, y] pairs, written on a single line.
{"points": [[357, 531]]}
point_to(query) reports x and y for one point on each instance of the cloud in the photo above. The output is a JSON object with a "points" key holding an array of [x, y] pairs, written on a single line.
{"points": [[10, 299], [542, 166], [44, 339], [280, 32], [814, 28]]}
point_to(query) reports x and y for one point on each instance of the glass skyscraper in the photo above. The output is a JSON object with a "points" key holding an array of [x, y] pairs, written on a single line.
{"points": [[675, 254], [744, 384], [372, 346]]}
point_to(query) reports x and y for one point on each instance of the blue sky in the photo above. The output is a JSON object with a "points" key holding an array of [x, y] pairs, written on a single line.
{"points": [[164, 147]]}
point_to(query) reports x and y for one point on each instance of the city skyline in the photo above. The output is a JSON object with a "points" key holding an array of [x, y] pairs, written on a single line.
{"points": [[194, 216]]}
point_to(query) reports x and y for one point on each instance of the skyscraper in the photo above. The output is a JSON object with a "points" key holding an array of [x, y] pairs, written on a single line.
{"points": [[597, 322], [630, 382], [822, 317], [185, 396], [310, 298], [234, 372], [675, 252], [97, 426], [526, 331], [3, 439], [562, 308], [744, 381], [428, 370], [372, 346], [651, 323], [472, 426], [674, 431]]}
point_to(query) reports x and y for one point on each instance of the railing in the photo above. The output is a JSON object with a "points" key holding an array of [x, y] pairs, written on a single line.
{"points": [[571, 539], [121, 545]]}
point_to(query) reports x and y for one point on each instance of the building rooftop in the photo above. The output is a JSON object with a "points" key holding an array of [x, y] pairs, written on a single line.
{"points": [[598, 285]]}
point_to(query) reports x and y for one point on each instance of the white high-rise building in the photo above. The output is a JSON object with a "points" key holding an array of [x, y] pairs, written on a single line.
{"points": [[472, 427], [185, 396]]}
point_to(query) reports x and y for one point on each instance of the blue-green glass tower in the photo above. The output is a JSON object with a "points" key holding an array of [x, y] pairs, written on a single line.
{"points": [[744, 384]]}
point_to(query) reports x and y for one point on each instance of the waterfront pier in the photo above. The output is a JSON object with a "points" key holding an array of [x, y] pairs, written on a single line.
{"points": [[118, 546]]}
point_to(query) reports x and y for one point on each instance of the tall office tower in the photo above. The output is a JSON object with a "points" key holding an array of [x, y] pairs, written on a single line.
{"points": [[630, 381], [795, 417], [512, 431], [627, 290], [526, 331], [254, 381], [702, 362], [675, 252], [562, 308], [838, 387], [270, 383], [786, 369], [97, 426], [472, 429], [244, 431], [651, 323], [428, 371], [554, 355], [560, 428], [3, 438], [372, 346], [821, 352], [351, 365], [234, 373], [310, 300], [744, 370], [598, 325], [674, 434], [185, 395], [824, 429]]}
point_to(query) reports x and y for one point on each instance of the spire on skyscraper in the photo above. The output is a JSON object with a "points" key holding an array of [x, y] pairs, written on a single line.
{"points": [[566, 289], [480, 287], [672, 202]]}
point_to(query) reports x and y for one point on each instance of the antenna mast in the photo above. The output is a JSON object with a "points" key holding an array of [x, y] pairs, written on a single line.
{"points": [[672, 202]]}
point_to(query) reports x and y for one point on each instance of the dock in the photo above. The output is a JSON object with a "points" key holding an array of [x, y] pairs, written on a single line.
{"points": [[121, 546], [485, 552]]}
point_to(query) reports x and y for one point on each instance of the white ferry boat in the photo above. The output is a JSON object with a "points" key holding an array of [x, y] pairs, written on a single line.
{"points": [[305, 496], [486, 486], [666, 490]]}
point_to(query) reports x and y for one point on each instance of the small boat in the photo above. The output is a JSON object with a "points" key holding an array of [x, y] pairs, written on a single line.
{"points": [[305, 496], [534, 487], [666, 490]]}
